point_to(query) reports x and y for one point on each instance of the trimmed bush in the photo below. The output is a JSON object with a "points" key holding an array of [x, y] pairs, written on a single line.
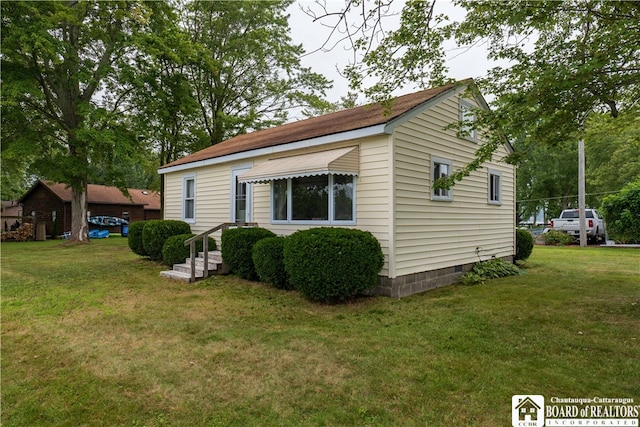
{"points": [[135, 238], [156, 232], [557, 238], [175, 252], [237, 249], [268, 259], [332, 264], [524, 244]]}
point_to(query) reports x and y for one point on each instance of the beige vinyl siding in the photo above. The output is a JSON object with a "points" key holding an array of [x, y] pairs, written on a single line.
{"points": [[173, 195], [372, 193], [213, 193], [438, 234], [213, 196]]}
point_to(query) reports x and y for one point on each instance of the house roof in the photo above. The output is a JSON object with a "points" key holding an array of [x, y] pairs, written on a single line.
{"points": [[102, 194], [328, 124]]}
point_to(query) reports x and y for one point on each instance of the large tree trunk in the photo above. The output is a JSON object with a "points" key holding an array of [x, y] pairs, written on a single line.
{"points": [[79, 208]]}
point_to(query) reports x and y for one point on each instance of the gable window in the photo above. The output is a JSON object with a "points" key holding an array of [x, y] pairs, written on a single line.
{"points": [[189, 198], [322, 198], [467, 121], [440, 168], [495, 187]]}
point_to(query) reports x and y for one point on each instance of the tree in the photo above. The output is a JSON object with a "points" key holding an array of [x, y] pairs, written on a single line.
{"points": [[60, 63], [246, 71], [546, 179], [622, 213], [566, 60], [613, 151]]}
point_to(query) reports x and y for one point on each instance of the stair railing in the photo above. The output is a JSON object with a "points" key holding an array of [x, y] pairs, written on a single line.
{"points": [[205, 245]]}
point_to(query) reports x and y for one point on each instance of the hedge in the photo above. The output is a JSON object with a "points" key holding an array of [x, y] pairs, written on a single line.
{"points": [[268, 259], [237, 249], [135, 238], [622, 214], [332, 264], [156, 232], [175, 252], [524, 244], [557, 238]]}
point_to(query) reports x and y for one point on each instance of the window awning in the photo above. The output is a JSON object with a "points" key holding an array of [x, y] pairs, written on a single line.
{"points": [[341, 161]]}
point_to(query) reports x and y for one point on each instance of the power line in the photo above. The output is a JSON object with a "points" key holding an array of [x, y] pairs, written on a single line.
{"points": [[564, 197]]}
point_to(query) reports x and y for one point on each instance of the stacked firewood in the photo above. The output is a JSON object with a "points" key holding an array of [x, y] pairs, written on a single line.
{"points": [[21, 234]]}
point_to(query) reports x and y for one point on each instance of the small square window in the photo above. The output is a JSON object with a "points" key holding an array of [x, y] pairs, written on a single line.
{"points": [[495, 187], [440, 168]]}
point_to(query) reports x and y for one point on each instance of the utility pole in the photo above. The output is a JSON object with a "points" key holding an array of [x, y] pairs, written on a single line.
{"points": [[581, 194]]}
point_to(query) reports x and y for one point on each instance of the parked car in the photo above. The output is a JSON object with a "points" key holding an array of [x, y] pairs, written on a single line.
{"points": [[569, 222]]}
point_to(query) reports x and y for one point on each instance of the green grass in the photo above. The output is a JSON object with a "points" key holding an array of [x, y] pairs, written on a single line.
{"points": [[91, 335]]}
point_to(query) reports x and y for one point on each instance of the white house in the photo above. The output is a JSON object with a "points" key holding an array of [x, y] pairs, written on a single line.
{"points": [[365, 168]]}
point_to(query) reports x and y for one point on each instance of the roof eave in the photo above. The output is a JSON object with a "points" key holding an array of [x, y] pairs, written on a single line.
{"points": [[306, 143]]}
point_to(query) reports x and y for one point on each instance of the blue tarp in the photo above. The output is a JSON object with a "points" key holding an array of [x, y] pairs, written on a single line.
{"points": [[98, 234]]}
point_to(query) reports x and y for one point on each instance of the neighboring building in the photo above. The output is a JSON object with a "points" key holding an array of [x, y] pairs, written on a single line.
{"points": [[51, 202], [362, 168], [11, 212]]}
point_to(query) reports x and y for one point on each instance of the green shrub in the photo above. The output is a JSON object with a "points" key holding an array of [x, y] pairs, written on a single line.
{"points": [[557, 238], [175, 252], [237, 249], [332, 264], [622, 214], [156, 232], [491, 269], [268, 258], [524, 244], [135, 238]]}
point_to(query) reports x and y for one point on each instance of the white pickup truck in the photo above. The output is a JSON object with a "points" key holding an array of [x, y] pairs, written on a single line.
{"points": [[569, 222]]}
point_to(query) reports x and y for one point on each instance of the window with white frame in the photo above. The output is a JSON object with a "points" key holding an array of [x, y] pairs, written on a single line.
{"points": [[322, 198], [241, 195], [189, 198], [467, 120], [440, 168], [495, 187]]}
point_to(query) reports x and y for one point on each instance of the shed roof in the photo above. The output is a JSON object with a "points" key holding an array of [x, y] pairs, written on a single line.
{"points": [[102, 194], [328, 124]]}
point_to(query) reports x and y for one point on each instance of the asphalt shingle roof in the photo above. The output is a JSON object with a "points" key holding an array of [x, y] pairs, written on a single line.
{"points": [[328, 124]]}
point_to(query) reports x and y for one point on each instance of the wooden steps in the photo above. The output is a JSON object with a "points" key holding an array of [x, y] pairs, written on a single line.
{"points": [[182, 271]]}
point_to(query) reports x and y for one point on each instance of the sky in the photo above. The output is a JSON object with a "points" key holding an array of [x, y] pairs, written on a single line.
{"points": [[465, 63]]}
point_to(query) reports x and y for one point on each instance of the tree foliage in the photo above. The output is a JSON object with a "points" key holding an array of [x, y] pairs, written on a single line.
{"points": [[246, 71], [57, 59], [564, 60], [622, 213], [105, 92]]}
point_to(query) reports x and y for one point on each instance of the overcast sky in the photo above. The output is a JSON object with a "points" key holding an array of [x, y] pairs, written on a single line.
{"points": [[462, 64]]}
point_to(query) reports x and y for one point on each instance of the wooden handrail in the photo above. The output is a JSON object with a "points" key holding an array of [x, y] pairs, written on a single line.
{"points": [[191, 242]]}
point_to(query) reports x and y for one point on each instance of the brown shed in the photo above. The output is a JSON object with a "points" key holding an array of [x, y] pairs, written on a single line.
{"points": [[50, 203]]}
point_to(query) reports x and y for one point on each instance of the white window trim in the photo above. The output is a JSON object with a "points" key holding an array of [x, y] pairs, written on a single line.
{"points": [[434, 196], [466, 106], [493, 172], [235, 171], [186, 178], [331, 206]]}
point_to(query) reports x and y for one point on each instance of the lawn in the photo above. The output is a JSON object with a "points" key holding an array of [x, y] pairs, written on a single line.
{"points": [[91, 335]]}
